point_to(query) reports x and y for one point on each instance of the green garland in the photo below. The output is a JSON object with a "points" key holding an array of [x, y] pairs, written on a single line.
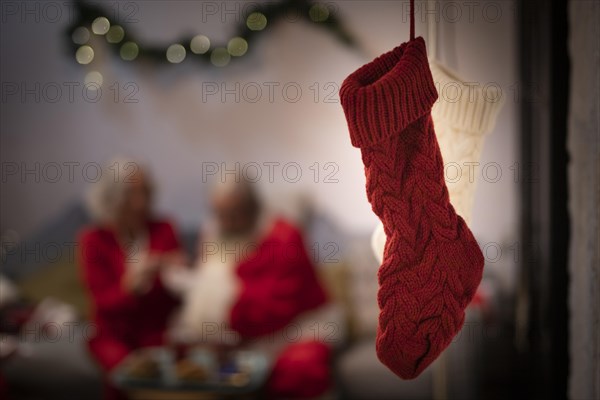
{"points": [[91, 19]]}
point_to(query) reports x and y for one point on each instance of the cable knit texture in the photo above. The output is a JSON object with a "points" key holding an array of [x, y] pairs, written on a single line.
{"points": [[432, 264], [463, 115]]}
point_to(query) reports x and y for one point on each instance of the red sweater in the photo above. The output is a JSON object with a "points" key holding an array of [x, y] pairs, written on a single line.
{"points": [[124, 321], [279, 283]]}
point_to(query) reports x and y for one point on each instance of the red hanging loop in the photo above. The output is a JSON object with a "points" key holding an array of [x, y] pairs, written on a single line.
{"points": [[412, 19]]}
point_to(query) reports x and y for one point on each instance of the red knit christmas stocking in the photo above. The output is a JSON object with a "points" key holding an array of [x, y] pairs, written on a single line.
{"points": [[432, 264]]}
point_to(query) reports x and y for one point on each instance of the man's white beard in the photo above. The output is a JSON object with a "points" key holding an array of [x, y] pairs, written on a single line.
{"points": [[213, 287]]}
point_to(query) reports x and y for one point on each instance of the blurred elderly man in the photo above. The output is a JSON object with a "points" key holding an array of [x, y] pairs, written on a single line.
{"points": [[121, 257], [255, 287]]}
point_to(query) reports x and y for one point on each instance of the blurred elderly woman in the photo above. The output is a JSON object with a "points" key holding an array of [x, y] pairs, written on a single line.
{"points": [[121, 259]]}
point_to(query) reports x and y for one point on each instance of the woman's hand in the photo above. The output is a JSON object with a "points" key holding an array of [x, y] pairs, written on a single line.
{"points": [[139, 275]]}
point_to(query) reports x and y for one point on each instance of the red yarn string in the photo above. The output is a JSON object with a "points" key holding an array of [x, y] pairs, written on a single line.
{"points": [[412, 19]]}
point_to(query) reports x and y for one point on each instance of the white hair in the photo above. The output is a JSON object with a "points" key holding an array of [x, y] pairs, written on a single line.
{"points": [[237, 185], [232, 185], [107, 194]]}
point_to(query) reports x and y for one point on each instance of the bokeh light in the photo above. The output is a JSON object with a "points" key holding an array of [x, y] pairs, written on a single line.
{"points": [[256, 21], [100, 26], [220, 57], [318, 13], [129, 51], [84, 55], [200, 44], [237, 46], [115, 34], [176, 53], [93, 80], [81, 35]]}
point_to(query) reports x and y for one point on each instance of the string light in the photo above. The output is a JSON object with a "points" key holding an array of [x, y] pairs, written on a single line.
{"points": [[84, 55], [318, 13], [129, 51], [256, 21], [176, 53], [237, 47], [81, 35], [89, 19], [200, 44], [115, 34], [220, 57], [100, 26], [93, 80]]}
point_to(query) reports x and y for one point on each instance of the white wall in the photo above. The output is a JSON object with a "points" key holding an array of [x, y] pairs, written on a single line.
{"points": [[174, 130]]}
